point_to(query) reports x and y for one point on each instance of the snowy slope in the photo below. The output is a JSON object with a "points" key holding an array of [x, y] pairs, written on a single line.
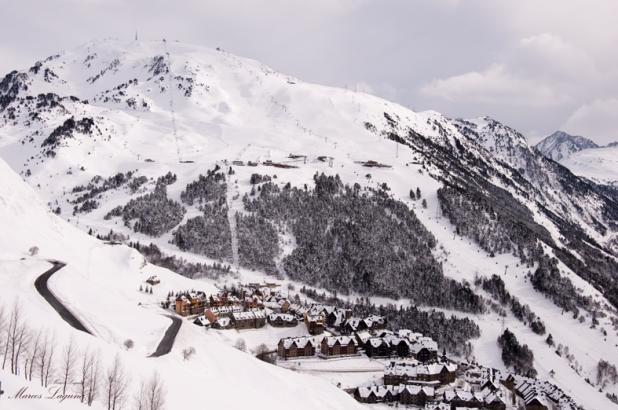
{"points": [[598, 164], [156, 107], [582, 156], [110, 275]]}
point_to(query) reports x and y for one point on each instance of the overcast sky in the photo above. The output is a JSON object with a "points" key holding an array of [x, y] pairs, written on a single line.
{"points": [[537, 65]]}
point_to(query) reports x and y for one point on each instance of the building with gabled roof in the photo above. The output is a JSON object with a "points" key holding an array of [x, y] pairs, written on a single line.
{"points": [[433, 374], [292, 347], [338, 346], [282, 320]]}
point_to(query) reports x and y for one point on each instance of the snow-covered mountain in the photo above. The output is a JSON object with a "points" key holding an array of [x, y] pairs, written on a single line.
{"points": [[583, 157], [437, 201], [561, 145]]}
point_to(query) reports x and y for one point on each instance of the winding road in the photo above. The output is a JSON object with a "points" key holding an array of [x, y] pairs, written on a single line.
{"points": [[166, 344], [40, 283], [41, 286]]}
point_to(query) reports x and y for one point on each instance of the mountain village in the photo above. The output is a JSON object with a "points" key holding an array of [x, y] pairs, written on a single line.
{"points": [[415, 372]]}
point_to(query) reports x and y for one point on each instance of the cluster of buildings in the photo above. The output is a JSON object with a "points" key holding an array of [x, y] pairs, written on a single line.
{"points": [[324, 346], [321, 317], [416, 395], [539, 395], [402, 343], [431, 374], [446, 385], [490, 396], [376, 343], [239, 308]]}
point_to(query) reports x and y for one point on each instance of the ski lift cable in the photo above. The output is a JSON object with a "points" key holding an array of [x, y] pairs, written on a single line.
{"points": [[171, 94]]}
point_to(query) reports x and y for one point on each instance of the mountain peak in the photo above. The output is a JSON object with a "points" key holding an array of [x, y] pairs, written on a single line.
{"points": [[560, 145]]}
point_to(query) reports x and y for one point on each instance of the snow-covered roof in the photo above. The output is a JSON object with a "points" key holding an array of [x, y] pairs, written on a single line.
{"points": [[377, 342], [286, 317], [372, 320], [248, 315], [300, 342], [363, 336], [343, 340], [415, 390], [413, 370], [225, 309], [424, 343], [202, 320], [353, 322]]}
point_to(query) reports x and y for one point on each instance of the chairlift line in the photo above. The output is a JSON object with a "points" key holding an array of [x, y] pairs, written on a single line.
{"points": [[172, 112]]}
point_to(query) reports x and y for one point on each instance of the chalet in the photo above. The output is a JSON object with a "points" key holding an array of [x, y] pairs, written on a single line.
{"points": [[424, 349], [362, 337], [399, 347], [202, 321], [416, 395], [377, 347], [183, 305], [461, 398], [378, 394], [191, 303], [276, 303], [426, 374], [494, 401], [213, 313], [222, 323], [375, 322], [539, 395], [249, 320], [282, 320], [386, 345], [353, 325], [153, 280], [253, 302], [314, 323], [336, 318], [408, 334], [223, 299], [338, 346], [292, 347], [295, 309]]}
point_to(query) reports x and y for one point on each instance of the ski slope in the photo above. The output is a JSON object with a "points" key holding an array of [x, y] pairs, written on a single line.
{"points": [[100, 285]]}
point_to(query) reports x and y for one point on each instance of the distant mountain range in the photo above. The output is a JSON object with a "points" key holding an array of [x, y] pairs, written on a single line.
{"points": [[582, 156]]}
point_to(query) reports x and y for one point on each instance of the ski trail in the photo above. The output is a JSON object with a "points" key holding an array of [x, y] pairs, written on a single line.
{"points": [[170, 90], [233, 204]]}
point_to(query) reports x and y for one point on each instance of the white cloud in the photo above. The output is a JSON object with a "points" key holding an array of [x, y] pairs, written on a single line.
{"points": [[496, 85], [598, 119], [550, 56]]}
